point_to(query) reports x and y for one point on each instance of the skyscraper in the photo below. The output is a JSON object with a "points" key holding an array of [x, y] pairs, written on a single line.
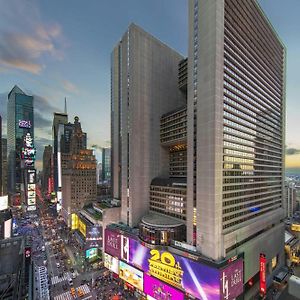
{"points": [[47, 180], [78, 174], [4, 166], [20, 121], [59, 120], [203, 151], [144, 86], [106, 165], [236, 133]]}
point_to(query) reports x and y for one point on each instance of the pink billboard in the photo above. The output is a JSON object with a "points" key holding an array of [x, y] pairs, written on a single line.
{"points": [[159, 290], [113, 243]]}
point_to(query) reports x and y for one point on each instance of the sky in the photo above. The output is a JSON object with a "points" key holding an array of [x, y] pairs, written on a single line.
{"points": [[61, 48]]}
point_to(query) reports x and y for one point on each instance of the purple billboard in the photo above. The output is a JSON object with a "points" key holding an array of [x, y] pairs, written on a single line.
{"points": [[198, 280], [159, 290], [232, 280], [113, 243]]}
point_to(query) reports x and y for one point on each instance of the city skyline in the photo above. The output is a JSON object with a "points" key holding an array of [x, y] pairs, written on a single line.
{"points": [[57, 53]]}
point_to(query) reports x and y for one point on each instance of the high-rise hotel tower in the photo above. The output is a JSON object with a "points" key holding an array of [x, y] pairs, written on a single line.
{"points": [[236, 132], [198, 143]]}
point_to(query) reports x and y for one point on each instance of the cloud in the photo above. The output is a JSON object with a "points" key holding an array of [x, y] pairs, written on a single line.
{"points": [[26, 43], [292, 151], [70, 87]]}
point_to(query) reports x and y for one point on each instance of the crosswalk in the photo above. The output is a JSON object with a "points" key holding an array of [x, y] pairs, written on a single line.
{"points": [[56, 279], [67, 295], [64, 296], [85, 288]]}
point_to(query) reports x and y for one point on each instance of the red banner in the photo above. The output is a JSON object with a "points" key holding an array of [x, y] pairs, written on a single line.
{"points": [[262, 274]]}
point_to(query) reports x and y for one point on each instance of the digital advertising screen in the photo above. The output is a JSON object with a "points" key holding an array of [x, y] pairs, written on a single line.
{"points": [[232, 280], [7, 228], [24, 124], [82, 227], [31, 195], [131, 275], [3, 202], [94, 236], [31, 173], [198, 280], [91, 253], [159, 290], [111, 263], [112, 243]]}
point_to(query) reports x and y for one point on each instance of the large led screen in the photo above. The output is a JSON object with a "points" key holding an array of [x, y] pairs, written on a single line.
{"points": [[111, 263], [131, 275], [112, 243], [3, 202], [232, 280], [159, 290], [199, 280]]}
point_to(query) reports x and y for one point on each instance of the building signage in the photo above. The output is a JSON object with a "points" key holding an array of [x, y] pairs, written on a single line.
{"points": [[82, 227], [3, 202], [185, 246], [31, 175], [25, 124], [159, 290], [112, 243], [232, 280], [31, 195], [131, 275], [262, 274], [111, 263], [94, 236]]}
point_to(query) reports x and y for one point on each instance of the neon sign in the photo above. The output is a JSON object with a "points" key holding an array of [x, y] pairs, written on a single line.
{"points": [[262, 274], [25, 124]]}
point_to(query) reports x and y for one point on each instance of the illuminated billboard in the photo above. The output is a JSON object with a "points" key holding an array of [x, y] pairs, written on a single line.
{"points": [[112, 243], [74, 221], [199, 280], [3, 202], [131, 275], [31, 195], [25, 124], [82, 227], [31, 173], [159, 290], [232, 280], [91, 254], [7, 229], [111, 263], [94, 236]]}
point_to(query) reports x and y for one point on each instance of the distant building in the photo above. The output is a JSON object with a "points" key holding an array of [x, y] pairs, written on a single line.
{"points": [[20, 121], [59, 120], [78, 174], [291, 204], [106, 165], [47, 177], [4, 166], [99, 173]]}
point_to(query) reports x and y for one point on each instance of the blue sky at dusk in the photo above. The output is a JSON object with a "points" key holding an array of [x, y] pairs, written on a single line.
{"points": [[56, 49]]}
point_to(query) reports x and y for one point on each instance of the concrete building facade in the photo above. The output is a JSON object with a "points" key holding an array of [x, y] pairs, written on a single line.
{"points": [[144, 87], [236, 132]]}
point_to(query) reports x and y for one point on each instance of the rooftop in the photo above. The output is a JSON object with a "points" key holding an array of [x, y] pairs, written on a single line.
{"points": [[158, 220]]}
